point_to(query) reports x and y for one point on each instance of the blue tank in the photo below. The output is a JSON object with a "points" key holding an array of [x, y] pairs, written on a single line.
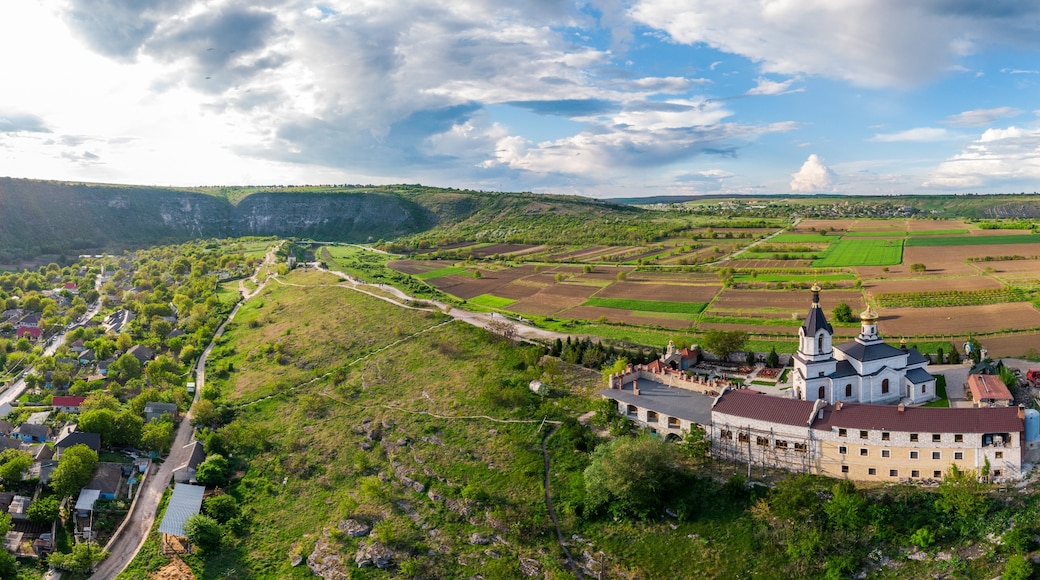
{"points": [[1032, 425]]}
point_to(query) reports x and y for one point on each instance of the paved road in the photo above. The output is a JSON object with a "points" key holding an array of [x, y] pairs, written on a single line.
{"points": [[133, 532]]}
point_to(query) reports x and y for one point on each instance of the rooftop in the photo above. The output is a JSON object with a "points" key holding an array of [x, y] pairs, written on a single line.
{"points": [[665, 400], [751, 404], [921, 419], [185, 501], [988, 387]]}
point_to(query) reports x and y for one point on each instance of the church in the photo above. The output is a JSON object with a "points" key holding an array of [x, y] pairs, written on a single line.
{"points": [[865, 370]]}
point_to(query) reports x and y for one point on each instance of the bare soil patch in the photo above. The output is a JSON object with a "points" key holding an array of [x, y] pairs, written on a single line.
{"points": [[789, 264], [1012, 266], [417, 266], [175, 569], [958, 320], [502, 249], [579, 253], [625, 316], [1012, 345], [810, 225], [553, 299], [931, 284], [795, 300], [660, 276], [664, 292], [935, 225]]}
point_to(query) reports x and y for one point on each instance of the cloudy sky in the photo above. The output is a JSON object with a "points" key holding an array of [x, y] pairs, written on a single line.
{"points": [[601, 98]]}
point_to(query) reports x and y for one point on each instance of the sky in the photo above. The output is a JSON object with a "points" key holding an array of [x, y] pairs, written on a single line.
{"points": [[601, 98]]}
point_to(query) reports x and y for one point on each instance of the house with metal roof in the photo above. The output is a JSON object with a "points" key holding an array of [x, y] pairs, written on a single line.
{"points": [[864, 370]]}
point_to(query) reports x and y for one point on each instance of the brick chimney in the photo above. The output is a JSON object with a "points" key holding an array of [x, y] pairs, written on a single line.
{"points": [[635, 386], [1021, 411], [902, 407]]}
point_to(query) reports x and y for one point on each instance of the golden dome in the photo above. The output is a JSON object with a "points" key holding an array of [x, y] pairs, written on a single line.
{"points": [[815, 287], [868, 315]]}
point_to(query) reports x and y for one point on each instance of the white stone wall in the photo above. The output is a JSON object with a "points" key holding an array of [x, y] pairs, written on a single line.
{"points": [[769, 455]]}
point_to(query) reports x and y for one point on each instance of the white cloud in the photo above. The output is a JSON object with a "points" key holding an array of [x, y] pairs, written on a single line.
{"points": [[869, 43], [920, 134], [813, 176], [768, 87], [981, 117], [998, 158]]}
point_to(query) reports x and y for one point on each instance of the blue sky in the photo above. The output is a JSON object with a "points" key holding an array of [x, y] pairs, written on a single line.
{"points": [[603, 98]]}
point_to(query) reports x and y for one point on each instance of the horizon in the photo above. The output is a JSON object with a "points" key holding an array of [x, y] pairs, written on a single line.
{"points": [[599, 99]]}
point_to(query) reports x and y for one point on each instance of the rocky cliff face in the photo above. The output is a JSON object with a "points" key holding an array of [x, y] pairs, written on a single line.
{"points": [[38, 217]]}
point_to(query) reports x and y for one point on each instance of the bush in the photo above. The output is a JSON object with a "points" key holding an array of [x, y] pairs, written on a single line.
{"points": [[203, 531]]}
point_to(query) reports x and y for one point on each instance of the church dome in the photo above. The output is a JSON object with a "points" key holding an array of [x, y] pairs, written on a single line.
{"points": [[868, 315]]}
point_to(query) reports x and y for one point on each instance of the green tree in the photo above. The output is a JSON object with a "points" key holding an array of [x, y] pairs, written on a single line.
{"points": [[100, 421], [44, 510], [81, 560], [128, 429], [13, 464], [962, 495], [74, 470], [203, 531], [124, 341], [1018, 567], [846, 510], [631, 477], [157, 436], [126, 367], [724, 342], [773, 359], [213, 471], [222, 508], [99, 400], [843, 313]]}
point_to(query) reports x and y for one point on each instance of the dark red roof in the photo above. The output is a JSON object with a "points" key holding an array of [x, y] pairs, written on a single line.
{"points": [[30, 331], [67, 401], [923, 419], [655, 366], [754, 405], [988, 387]]}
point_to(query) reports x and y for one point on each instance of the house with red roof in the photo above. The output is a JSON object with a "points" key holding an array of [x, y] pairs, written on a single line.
{"points": [[33, 333], [67, 404], [989, 391]]}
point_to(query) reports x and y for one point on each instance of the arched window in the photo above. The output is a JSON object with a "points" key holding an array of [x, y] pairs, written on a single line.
{"points": [[884, 387], [848, 390], [819, 343], [823, 393]]}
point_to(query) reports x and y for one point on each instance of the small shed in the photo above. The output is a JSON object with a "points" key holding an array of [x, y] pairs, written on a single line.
{"points": [[154, 411], [185, 501], [85, 502]]}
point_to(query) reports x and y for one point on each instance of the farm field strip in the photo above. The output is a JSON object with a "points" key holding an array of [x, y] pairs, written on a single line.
{"points": [[442, 272], [862, 252], [647, 305], [803, 238], [943, 298], [980, 240], [491, 301]]}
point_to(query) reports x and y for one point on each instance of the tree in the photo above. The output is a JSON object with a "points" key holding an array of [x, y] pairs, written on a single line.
{"points": [[846, 510], [773, 359], [74, 470], [749, 358], [918, 267], [128, 428], [156, 435], [124, 341], [126, 367], [204, 413], [222, 508], [724, 342], [843, 313], [100, 421], [44, 510], [631, 477], [203, 531], [82, 559], [213, 471], [1018, 567], [13, 464], [962, 495], [99, 400]]}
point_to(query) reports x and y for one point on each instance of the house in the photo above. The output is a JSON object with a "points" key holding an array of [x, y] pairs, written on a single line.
{"points": [[86, 357], [154, 411], [85, 502], [186, 472], [108, 479], [117, 321], [30, 332], [72, 288], [102, 367], [5, 428], [682, 359], [660, 407], [19, 505], [30, 320], [989, 391], [92, 440], [30, 433], [67, 404], [77, 346], [142, 353]]}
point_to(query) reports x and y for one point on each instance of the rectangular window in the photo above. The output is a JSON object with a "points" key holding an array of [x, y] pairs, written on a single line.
{"points": [[727, 435], [871, 471], [913, 455], [958, 438], [936, 455], [862, 434], [936, 438], [937, 474], [843, 432], [863, 452], [915, 473], [998, 455], [843, 450], [886, 453], [958, 455], [781, 444], [762, 441], [800, 447], [913, 437], [844, 468], [885, 436], [893, 473], [996, 473]]}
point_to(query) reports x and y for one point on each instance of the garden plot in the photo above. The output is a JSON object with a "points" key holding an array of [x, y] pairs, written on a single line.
{"points": [[662, 292], [625, 317], [957, 320]]}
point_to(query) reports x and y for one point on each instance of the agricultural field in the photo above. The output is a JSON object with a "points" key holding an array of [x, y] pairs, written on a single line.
{"points": [[861, 252]]}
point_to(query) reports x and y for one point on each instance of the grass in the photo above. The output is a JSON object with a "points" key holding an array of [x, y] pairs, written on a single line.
{"points": [[862, 252], [973, 240], [880, 234], [490, 301], [803, 238], [940, 391], [445, 271], [647, 305]]}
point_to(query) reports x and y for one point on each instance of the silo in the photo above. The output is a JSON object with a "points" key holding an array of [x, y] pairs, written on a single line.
{"points": [[1032, 425]]}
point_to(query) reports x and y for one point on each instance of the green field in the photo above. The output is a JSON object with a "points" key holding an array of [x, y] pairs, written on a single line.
{"points": [[803, 238], [647, 305], [490, 301], [974, 240], [862, 252], [442, 272]]}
